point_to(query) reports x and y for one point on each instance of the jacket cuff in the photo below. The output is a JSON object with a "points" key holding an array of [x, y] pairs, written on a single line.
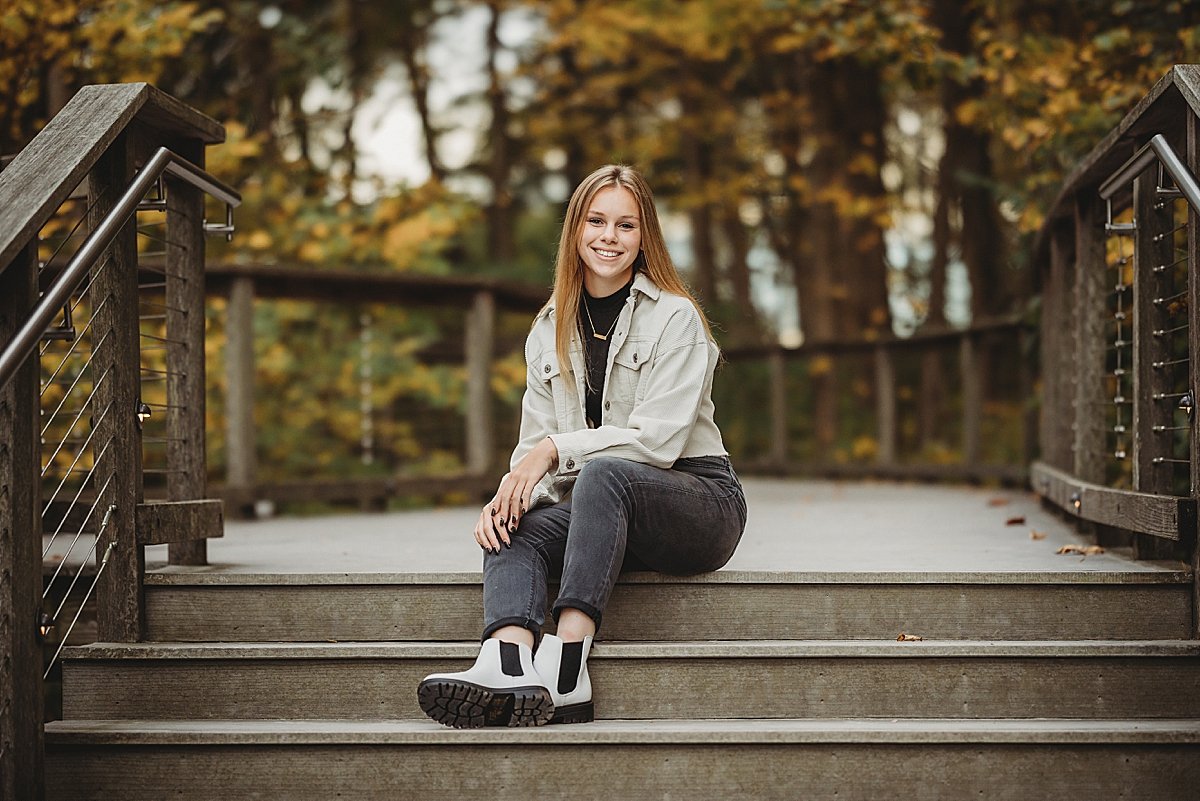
{"points": [[570, 453]]}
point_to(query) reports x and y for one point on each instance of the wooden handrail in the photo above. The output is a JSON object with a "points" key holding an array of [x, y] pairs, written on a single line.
{"points": [[49, 168]]}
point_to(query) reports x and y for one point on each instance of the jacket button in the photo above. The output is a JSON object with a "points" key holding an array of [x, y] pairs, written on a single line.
{"points": [[570, 464], [635, 358], [606, 405], [547, 368]]}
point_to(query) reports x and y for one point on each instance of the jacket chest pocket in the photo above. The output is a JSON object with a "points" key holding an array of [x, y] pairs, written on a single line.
{"points": [[556, 383], [627, 381]]}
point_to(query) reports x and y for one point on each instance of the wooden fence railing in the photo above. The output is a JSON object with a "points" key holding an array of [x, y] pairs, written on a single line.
{"points": [[83, 386], [947, 374], [479, 299], [1120, 262]]}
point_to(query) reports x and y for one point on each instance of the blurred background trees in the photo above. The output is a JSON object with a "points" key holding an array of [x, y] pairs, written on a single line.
{"points": [[828, 169]]}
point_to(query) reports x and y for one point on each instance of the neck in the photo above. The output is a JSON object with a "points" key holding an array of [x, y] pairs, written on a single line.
{"points": [[599, 287]]}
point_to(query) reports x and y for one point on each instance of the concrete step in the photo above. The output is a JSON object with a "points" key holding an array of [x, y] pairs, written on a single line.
{"points": [[730, 679], [764, 759], [726, 605]]}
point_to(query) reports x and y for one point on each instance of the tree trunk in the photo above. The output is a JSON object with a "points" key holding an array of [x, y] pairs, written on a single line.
{"points": [[500, 212]]}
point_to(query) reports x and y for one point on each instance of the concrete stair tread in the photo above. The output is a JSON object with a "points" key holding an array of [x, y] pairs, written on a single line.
{"points": [[704, 731], [711, 649], [1143, 573]]}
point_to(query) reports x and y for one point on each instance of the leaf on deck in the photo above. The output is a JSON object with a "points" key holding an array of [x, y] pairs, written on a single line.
{"points": [[1034, 534], [997, 501], [909, 637], [1090, 550], [1019, 520]]}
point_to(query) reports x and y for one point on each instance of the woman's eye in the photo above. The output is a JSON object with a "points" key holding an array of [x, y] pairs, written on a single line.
{"points": [[595, 221], [627, 226]]}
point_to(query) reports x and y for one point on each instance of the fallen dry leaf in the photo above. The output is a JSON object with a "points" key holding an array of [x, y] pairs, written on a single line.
{"points": [[1034, 534], [997, 501], [1090, 550], [909, 637], [1019, 520]]}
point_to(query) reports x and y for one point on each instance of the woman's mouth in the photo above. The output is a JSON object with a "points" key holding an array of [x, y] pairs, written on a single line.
{"points": [[608, 254]]}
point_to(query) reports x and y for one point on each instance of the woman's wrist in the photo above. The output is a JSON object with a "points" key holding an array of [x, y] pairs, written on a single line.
{"points": [[551, 452]]}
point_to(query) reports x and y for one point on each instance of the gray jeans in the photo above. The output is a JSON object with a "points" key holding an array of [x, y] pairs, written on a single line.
{"points": [[680, 521]]}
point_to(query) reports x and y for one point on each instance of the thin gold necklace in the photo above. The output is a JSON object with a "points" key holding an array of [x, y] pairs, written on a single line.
{"points": [[602, 337]]}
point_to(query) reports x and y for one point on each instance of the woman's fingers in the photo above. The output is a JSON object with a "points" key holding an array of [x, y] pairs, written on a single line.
{"points": [[484, 534]]}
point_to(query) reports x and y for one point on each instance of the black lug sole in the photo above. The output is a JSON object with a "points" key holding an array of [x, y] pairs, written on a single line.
{"points": [[575, 713], [463, 705]]}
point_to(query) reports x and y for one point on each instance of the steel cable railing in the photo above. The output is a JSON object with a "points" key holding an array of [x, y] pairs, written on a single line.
{"points": [[75, 471], [1147, 247]]}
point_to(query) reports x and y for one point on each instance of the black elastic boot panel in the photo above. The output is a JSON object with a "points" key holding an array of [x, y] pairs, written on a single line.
{"points": [[568, 669], [510, 659]]}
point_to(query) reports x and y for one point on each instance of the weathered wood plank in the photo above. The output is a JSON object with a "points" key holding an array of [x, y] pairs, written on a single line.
{"points": [[118, 441], [851, 760], [186, 452], [21, 755], [49, 168], [1150, 413], [340, 490], [1057, 322], [822, 681], [885, 405], [179, 521], [347, 286], [479, 334], [1089, 300], [969, 366], [779, 409], [1192, 160], [1166, 516], [241, 458], [1033, 610]]}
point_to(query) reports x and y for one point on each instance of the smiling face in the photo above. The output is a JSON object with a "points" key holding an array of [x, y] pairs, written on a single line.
{"points": [[609, 240]]}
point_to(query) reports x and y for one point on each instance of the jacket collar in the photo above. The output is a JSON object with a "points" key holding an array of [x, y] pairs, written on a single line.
{"points": [[641, 283]]}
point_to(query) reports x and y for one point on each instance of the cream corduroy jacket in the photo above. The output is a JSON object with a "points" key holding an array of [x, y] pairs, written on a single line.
{"points": [[657, 397]]}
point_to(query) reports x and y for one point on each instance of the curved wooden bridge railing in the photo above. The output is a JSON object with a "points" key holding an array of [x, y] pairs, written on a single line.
{"points": [[1120, 263]]}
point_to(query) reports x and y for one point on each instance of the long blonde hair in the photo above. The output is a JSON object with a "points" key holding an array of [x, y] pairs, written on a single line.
{"points": [[569, 267]]}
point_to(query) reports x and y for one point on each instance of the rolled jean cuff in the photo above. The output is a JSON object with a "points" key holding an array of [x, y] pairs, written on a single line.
{"points": [[583, 606], [523, 622]]}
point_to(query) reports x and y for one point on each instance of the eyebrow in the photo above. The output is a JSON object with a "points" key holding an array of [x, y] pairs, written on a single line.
{"points": [[594, 213]]}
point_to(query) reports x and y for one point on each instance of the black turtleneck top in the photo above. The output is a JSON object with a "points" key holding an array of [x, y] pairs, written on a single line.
{"points": [[604, 312]]}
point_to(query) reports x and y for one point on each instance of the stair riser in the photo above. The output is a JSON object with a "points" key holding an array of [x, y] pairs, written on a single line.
{"points": [[639, 688], [683, 612], [610, 771]]}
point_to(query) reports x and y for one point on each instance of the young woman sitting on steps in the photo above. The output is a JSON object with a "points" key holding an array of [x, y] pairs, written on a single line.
{"points": [[619, 463]]}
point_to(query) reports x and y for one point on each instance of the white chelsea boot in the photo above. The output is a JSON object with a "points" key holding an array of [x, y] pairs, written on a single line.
{"points": [[502, 688], [562, 666]]}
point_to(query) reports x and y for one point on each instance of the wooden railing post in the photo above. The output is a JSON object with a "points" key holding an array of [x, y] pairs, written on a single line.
{"points": [[1057, 393], [1192, 159], [187, 464], [779, 427], [118, 450], [21, 750], [479, 334], [1152, 247], [972, 401], [241, 461], [885, 405], [1089, 345]]}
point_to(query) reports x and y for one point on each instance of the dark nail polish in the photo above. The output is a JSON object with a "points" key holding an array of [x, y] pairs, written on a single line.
{"points": [[493, 511], [508, 545], [502, 521]]}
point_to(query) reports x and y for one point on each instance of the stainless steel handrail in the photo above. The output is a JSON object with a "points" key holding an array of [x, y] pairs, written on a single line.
{"points": [[164, 160], [1156, 147]]}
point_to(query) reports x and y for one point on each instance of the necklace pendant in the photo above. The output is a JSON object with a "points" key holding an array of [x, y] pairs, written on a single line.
{"points": [[601, 337]]}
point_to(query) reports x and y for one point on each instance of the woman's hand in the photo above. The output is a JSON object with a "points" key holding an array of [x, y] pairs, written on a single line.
{"points": [[500, 518]]}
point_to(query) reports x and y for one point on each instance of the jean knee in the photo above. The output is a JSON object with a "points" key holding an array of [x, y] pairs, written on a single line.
{"points": [[606, 468]]}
